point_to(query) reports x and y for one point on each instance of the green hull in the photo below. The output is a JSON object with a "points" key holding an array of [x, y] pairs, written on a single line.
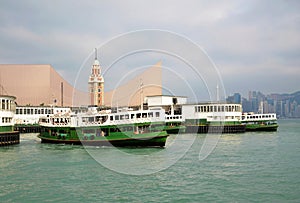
{"points": [[93, 136], [259, 127], [9, 138], [203, 126], [174, 128]]}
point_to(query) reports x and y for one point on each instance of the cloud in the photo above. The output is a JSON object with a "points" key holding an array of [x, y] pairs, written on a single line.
{"points": [[242, 37]]}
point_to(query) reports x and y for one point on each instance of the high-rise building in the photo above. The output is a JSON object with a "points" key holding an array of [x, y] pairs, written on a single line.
{"points": [[96, 84]]}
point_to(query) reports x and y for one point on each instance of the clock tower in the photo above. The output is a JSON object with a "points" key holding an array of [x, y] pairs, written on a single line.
{"points": [[96, 84]]}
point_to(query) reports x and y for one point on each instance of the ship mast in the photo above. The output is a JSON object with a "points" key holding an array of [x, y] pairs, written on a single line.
{"points": [[141, 93], [218, 95]]}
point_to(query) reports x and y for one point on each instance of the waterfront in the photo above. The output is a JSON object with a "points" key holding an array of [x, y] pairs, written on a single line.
{"points": [[248, 167]]}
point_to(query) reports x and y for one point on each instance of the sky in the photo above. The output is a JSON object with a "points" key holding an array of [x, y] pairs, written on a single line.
{"points": [[253, 44]]}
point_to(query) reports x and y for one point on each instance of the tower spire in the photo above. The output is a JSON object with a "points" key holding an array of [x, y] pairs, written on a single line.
{"points": [[96, 84]]}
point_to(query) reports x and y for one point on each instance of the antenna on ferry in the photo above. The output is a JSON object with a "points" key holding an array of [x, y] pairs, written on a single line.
{"points": [[218, 96], [141, 87]]}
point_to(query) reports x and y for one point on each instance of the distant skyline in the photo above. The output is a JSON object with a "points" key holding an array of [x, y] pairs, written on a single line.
{"points": [[254, 44]]}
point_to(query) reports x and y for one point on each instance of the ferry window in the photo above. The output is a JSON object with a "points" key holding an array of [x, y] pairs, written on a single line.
{"points": [[117, 117], [198, 109], [138, 115], [121, 117], [201, 108], [222, 108], [17, 111], [144, 115], [215, 109], [3, 104], [42, 111], [195, 108], [28, 111], [204, 108], [229, 108], [21, 111], [150, 114], [132, 116], [210, 109], [157, 114], [126, 116], [39, 111], [111, 118], [219, 108]]}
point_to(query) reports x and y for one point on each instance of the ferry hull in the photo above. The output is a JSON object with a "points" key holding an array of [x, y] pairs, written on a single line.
{"points": [[261, 127], [175, 129], [9, 138], [215, 129], [154, 141]]}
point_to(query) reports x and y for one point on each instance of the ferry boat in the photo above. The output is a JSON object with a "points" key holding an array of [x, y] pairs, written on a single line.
{"points": [[210, 117], [139, 128], [260, 122], [26, 118], [172, 105], [7, 134], [174, 124], [214, 117]]}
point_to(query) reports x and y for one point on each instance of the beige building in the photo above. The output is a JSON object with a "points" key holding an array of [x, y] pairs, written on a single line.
{"points": [[36, 85], [41, 84], [134, 92]]}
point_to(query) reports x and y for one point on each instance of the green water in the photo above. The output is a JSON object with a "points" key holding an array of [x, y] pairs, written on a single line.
{"points": [[249, 167]]}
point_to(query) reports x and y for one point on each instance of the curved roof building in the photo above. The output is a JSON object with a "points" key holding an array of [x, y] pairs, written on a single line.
{"points": [[37, 84], [41, 85]]}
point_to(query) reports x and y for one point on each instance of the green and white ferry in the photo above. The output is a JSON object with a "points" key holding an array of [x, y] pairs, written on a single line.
{"points": [[208, 117], [126, 127], [213, 117], [7, 110], [260, 122]]}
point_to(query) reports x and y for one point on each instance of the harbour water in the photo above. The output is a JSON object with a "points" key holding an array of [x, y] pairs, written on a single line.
{"points": [[248, 167]]}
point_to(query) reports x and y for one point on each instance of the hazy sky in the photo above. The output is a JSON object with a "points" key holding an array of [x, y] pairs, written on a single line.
{"points": [[254, 44]]}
